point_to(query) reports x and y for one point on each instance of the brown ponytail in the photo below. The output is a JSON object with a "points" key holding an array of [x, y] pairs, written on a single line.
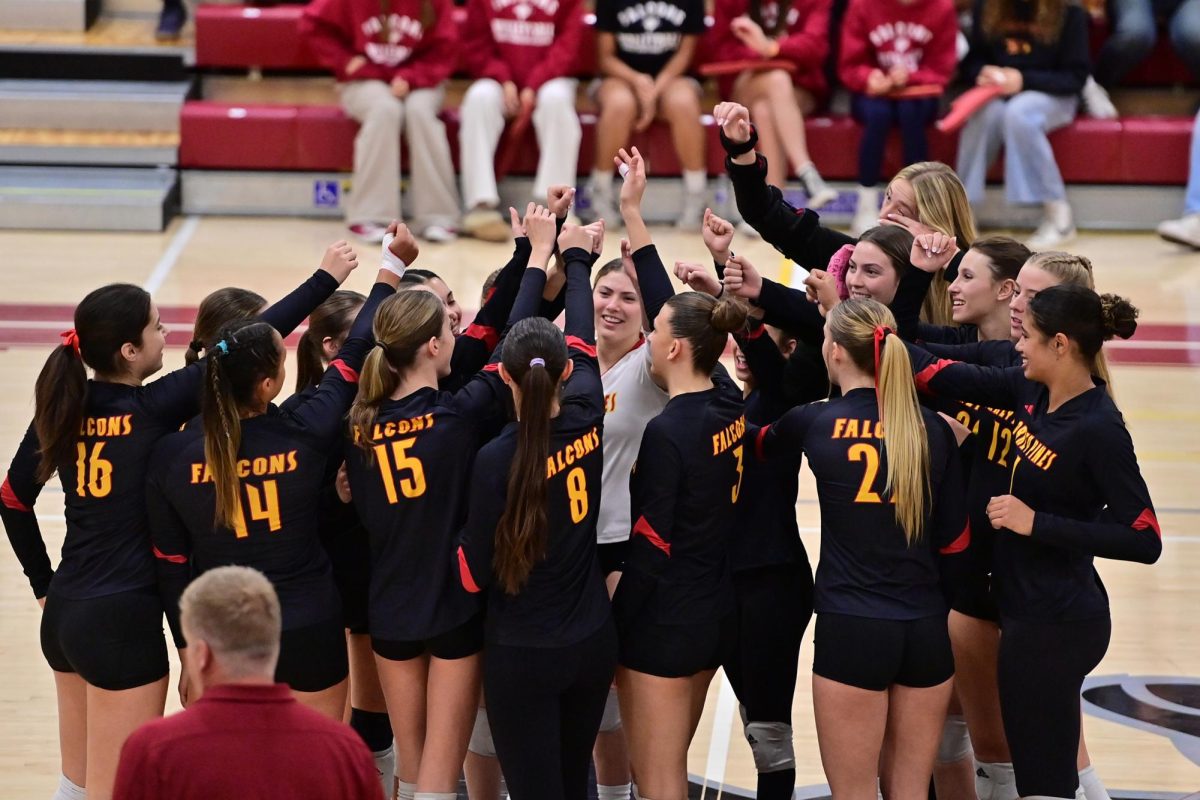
{"points": [[236, 364], [330, 320], [705, 322], [220, 310], [1084, 317], [535, 356], [105, 320]]}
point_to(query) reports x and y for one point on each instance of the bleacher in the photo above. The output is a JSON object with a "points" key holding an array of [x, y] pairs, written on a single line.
{"points": [[261, 133]]}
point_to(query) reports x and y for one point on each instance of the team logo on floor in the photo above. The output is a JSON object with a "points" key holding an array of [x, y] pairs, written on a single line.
{"points": [[1165, 705]]}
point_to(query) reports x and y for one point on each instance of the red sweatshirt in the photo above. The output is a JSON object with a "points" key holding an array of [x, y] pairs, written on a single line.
{"points": [[805, 40], [527, 42], [879, 34], [397, 45]]}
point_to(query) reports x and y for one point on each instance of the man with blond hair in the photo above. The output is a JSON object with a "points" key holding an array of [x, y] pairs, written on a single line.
{"points": [[242, 735]]}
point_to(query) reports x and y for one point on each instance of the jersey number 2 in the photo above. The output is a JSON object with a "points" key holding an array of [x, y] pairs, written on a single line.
{"points": [[869, 454], [413, 486], [94, 473]]}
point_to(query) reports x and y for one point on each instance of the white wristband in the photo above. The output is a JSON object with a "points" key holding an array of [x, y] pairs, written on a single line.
{"points": [[391, 262]]}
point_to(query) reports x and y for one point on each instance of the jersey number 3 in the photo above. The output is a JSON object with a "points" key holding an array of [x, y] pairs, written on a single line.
{"points": [[412, 486]]}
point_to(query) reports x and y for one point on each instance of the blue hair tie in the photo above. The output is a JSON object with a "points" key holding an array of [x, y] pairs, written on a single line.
{"points": [[224, 348], [537, 362]]}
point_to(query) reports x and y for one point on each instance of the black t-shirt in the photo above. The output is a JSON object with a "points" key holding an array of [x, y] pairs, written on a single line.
{"points": [[648, 32], [867, 567]]}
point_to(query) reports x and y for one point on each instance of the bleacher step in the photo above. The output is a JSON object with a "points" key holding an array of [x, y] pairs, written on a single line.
{"points": [[92, 105], [54, 198], [48, 15], [99, 148]]}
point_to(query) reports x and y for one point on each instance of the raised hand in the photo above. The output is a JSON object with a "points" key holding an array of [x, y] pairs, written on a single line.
{"points": [[734, 120], [633, 185], [541, 228], [915, 227], [717, 234], [821, 288], [698, 278], [742, 278], [339, 260], [596, 229], [514, 219], [932, 251], [558, 199], [404, 245], [575, 236]]}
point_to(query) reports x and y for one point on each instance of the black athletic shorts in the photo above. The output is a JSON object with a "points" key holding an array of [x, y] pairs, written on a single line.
{"points": [[350, 557], [876, 653], [465, 640], [113, 642], [677, 651], [612, 556], [975, 598], [314, 657]]}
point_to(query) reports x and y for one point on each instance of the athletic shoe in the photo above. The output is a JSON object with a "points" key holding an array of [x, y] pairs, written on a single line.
{"points": [[600, 206], [819, 193], [1185, 231], [369, 232], [439, 234], [866, 214], [1049, 236], [1097, 102], [692, 215], [486, 224], [170, 22]]}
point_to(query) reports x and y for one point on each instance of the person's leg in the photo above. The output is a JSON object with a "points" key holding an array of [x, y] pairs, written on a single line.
{"points": [[657, 718], [876, 115], [1191, 202], [111, 717], [434, 190], [679, 105], [482, 124], [481, 768], [976, 644], [978, 145], [452, 698], [404, 686], [1186, 231], [850, 728], [1031, 173], [582, 708], [171, 20], [914, 117], [375, 191], [1093, 788], [524, 686], [71, 691], [1184, 29], [954, 768], [618, 112], [368, 709], [330, 702], [558, 133], [1129, 42], [611, 753], [914, 728]]}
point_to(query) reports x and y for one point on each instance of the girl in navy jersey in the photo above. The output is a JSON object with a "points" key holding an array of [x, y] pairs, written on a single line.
{"points": [[102, 627], [1075, 492], [529, 540], [675, 605], [409, 464], [244, 488], [891, 514]]}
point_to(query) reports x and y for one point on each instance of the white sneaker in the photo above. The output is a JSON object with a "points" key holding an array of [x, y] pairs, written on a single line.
{"points": [[1049, 236], [486, 224], [439, 234], [1184, 231], [600, 206], [692, 215], [819, 193], [369, 232], [866, 214], [1097, 102]]}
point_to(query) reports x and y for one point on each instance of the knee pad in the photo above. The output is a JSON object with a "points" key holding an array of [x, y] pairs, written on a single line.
{"points": [[995, 781], [481, 743], [611, 720], [771, 744], [956, 742]]}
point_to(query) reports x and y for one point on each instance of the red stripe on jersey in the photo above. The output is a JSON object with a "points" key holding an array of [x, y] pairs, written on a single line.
{"points": [[643, 528], [581, 346], [1145, 520], [345, 370], [926, 375], [10, 499], [758, 442], [488, 335], [159, 554], [493, 367], [755, 332], [961, 543], [464, 574]]}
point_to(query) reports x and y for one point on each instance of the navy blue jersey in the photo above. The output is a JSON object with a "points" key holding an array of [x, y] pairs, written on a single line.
{"points": [[107, 548], [282, 467], [867, 568], [564, 599], [1076, 469], [684, 492]]}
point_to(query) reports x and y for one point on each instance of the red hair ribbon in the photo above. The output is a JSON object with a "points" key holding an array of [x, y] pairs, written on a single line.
{"points": [[71, 339]]}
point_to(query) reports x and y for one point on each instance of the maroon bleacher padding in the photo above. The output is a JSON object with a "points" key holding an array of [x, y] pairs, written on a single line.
{"points": [[1155, 150], [1089, 150], [241, 37], [224, 136]]}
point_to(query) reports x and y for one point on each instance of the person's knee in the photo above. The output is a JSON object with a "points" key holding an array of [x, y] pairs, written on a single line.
{"points": [[481, 743], [423, 106], [1022, 117], [484, 96], [771, 745], [680, 101], [1184, 30], [778, 83], [956, 742], [387, 111], [875, 113], [611, 719], [617, 101]]}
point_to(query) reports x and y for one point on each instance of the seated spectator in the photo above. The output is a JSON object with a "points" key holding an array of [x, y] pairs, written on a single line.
{"points": [[1036, 53], [754, 30], [644, 54], [522, 56], [392, 69], [887, 46], [242, 735], [1134, 26], [1186, 231]]}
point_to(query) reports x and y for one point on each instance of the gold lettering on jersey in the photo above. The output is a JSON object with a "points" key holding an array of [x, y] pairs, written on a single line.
{"points": [[729, 436], [399, 427], [275, 464], [573, 452], [121, 425], [850, 428], [999, 413], [610, 403], [1033, 449]]}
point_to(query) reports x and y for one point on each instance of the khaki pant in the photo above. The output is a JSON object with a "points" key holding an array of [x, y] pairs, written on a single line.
{"points": [[558, 135], [375, 193]]}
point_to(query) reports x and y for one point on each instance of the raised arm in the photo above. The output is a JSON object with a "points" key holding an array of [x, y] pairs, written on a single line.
{"points": [[992, 386], [653, 281], [584, 387], [170, 540], [287, 314]]}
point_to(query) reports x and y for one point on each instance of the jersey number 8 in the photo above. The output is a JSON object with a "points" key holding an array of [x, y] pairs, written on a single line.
{"points": [[577, 492], [413, 486]]}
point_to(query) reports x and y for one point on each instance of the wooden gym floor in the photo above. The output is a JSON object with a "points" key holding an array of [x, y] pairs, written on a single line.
{"points": [[1156, 630]]}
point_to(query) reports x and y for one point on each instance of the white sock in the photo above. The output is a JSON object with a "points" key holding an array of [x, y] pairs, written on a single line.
{"points": [[385, 763], [620, 792], [408, 791], [602, 181], [67, 790], [435, 796], [995, 781], [695, 181], [1091, 784], [1059, 213]]}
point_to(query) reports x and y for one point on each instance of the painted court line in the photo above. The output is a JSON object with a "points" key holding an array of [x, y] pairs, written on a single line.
{"points": [[171, 255]]}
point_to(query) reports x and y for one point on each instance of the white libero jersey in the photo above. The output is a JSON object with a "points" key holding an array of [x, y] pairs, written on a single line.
{"points": [[631, 399]]}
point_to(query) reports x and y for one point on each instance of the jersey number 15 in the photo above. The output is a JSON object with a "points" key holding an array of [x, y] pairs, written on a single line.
{"points": [[411, 486]]}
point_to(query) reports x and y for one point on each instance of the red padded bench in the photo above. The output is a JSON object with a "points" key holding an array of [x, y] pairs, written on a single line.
{"points": [[241, 37], [1133, 150]]}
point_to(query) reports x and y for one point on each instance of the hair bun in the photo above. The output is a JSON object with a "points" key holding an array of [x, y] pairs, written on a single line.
{"points": [[1118, 316], [729, 315]]}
